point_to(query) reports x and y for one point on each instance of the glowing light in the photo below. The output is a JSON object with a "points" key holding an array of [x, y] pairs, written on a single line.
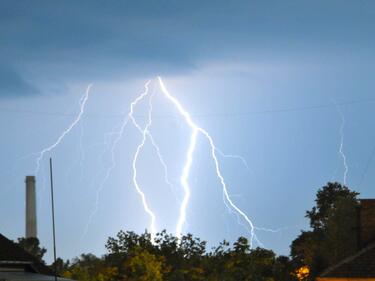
{"points": [[195, 130], [302, 273]]}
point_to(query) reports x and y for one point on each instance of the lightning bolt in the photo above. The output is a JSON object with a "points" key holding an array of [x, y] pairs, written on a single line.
{"points": [[195, 130], [341, 149], [277, 230], [162, 162], [148, 134], [82, 104], [145, 132], [134, 165], [118, 136], [234, 156]]}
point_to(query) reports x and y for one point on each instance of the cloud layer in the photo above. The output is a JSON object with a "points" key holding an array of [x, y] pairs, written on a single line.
{"points": [[91, 39]]}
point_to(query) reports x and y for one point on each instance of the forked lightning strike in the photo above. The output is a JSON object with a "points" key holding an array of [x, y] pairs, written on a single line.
{"points": [[145, 134], [134, 164], [153, 142], [119, 135], [184, 178], [82, 104], [195, 130]]}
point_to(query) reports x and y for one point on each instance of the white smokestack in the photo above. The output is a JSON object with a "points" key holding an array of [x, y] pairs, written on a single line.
{"points": [[31, 230]]}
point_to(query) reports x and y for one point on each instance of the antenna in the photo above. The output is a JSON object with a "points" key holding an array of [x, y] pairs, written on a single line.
{"points": [[53, 219]]}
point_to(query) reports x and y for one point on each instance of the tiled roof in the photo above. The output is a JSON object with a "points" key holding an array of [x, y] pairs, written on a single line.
{"points": [[359, 265], [11, 253]]}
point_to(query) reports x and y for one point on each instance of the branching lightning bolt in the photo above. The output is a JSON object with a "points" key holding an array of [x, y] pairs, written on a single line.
{"points": [[234, 156], [145, 133], [242, 217], [162, 162], [134, 165], [154, 144], [82, 104], [195, 130], [119, 134]]}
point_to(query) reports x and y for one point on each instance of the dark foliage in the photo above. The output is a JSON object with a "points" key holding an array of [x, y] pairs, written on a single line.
{"points": [[135, 257], [333, 233], [32, 246]]}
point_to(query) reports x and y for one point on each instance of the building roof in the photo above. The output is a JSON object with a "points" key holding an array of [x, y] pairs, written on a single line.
{"points": [[13, 255], [27, 276], [359, 265]]}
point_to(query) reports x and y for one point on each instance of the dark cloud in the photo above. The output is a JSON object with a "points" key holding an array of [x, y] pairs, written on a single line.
{"points": [[74, 39], [13, 85]]}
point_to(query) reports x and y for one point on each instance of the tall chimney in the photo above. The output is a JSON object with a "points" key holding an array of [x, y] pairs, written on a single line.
{"points": [[31, 230]]}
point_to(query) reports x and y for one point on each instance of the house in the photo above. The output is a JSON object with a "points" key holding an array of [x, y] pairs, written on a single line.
{"points": [[361, 265], [18, 265]]}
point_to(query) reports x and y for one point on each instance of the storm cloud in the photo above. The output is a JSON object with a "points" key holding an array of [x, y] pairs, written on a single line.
{"points": [[12, 83], [104, 39]]}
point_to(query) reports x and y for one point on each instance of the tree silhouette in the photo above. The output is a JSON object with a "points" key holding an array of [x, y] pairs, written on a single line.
{"points": [[333, 234]]}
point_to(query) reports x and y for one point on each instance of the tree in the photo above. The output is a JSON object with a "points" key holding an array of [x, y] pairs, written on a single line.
{"points": [[88, 267], [134, 257], [262, 262], [283, 269], [238, 262], [307, 250], [327, 200], [215, 261], [77, 273], [61, 266], [183, 256], [32, 246], [333, 222], [143, 266]]}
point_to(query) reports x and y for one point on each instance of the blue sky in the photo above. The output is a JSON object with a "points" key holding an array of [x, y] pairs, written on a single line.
{"points": [[263, 77]]}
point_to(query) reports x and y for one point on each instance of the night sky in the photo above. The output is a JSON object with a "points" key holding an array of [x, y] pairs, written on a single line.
{"points": [[278, 82]]}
